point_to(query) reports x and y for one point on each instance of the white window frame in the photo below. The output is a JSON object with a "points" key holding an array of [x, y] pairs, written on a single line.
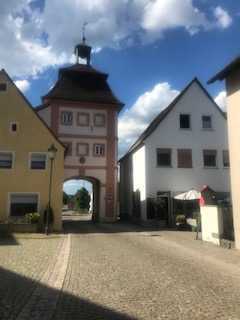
{"points": [[10, 127], [104, 150], [21, 193], [210, 167], [61, 114], [207, 115], [13, 159], [30, 160]]}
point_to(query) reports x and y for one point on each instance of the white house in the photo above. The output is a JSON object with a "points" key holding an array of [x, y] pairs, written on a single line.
{"points": [[184, 147]]}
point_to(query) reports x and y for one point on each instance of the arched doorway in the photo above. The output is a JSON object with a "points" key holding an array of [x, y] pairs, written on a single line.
{"points": [[71, 187]]}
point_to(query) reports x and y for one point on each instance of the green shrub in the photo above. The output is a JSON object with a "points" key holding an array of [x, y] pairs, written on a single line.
{"points": [[180, 219], [33, 218]]}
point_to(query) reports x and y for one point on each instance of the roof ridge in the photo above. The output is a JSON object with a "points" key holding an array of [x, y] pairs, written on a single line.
{"points": [[161, 116]]}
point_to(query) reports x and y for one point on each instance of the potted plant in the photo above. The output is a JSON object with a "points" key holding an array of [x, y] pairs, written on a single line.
{"points": [[181, 221]]}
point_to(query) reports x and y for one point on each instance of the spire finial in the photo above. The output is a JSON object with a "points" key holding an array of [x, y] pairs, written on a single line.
{"points": [[84, 32]]}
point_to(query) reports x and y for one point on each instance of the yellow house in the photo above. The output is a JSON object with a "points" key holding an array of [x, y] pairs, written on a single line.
{"points": [[231, 74], [24, 158]]}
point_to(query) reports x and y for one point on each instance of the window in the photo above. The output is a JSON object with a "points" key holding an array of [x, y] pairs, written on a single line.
{"points": [[82, 149], [226, 161], [3, 87], [99, 120], [210, 158], [68, 150], [99, 150], [184, 158], [207, 122], [13, 127], [164, 157], [6, 160], [185, 121], [67, 118], [20, 204], [38, 161], [83, 119]]}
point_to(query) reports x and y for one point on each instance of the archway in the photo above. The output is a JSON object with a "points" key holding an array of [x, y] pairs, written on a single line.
{"points": [[70, 208]]}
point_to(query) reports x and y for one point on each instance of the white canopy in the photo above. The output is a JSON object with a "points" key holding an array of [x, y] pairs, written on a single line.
{"points": [[189, 195]]}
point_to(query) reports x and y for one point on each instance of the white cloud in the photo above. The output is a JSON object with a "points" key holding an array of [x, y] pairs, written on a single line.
{"points": [[224, 20], [221, 100], [33, 40], [23, 85], [135, 120], [160, 15]]}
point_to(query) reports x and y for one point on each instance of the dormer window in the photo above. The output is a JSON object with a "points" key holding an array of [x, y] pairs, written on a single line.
{"points": [[13, 127], [3, 86], [185, 121]]}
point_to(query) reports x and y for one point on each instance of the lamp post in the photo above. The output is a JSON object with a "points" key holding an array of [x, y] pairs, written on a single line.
{"points": [[52, 150]]}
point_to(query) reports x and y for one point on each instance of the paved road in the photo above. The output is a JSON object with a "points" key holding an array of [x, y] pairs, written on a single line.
{"points": [[123, 272]]}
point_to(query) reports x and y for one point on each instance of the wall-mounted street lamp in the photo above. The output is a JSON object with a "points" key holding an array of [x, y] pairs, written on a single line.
{"points": [[52, 150]]}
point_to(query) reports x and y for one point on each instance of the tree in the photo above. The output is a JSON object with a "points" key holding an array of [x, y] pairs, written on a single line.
{"points": [[65, 198], [82, 199]]}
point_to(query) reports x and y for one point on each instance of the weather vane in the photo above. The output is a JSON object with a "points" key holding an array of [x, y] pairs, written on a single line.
{"points": [[84, 31]]}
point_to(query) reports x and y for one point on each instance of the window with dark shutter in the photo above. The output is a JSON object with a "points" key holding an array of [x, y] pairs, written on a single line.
{"points": [[164, 157], [185, 158], [226, 161]]}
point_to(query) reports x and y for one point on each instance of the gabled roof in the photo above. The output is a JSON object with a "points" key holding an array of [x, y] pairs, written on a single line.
{"points": [[32, 109], [155, 123], [235, 64], [81, 82]]}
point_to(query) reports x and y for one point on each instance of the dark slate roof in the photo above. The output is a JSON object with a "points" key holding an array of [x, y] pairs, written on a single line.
{"points": [[81, 82], [235, 64], [154, 124]]}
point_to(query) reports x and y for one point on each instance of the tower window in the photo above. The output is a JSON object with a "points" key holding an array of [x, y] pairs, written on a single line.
{"points": [[99, 120], [83, 119], [185, 121], [67, 118], [3, 87], [99, 150], [82, 149]]}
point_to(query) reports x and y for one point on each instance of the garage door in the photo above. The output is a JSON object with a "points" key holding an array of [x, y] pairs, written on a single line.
{"points": [[20, 204]]}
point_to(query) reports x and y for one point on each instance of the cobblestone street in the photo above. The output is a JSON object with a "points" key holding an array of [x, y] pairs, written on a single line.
{"points": [[117, 272]]}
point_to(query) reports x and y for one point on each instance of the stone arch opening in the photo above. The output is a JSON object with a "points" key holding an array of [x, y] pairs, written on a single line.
{"points": [[93, 186]]}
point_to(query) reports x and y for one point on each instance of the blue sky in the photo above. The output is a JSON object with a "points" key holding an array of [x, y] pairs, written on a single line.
{"points": [[150, 48]]}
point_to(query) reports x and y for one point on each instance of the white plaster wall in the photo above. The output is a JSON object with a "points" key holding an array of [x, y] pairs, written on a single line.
{"points": [[45, 114], [139, 177], [212, 224], [168, 135], [78, 130]]}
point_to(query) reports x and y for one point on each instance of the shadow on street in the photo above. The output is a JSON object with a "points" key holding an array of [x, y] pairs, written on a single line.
{"points": [[16, 292]]}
